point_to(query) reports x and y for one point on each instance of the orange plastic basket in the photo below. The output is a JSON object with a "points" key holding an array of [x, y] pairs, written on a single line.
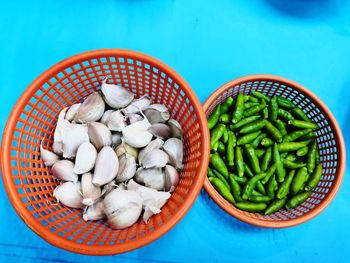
{"points": [[28, 182], [330, 142]]}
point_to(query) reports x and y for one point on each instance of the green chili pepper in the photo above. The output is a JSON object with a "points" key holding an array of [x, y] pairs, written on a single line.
{"points": [[253, 110], [253, 159], [259, 152], [246, 139], [226, 105], [299, 114], [244, 122], [265, 113], [251, 207], [218, 164], [271, 186], [291, 157], [295, 135], [285, 186], [222, 189], [267, 142], [315, 178], [239, 161], [210, 172], [297, 200], [302, 151], [256, 193], [310, 135], [221, 147], [235, 189], [311, 157], [286, 115], [241, 180], [259, 198], [281, 127], [215, 147], [253, 127], [221, 177], [239, 109], [275, 206], [260, 95], [273, 109], [266, 159], [225, 118], [270, 172], [214, 117], [273, 131], [247, 170], [250, 104], [292, 165], [250, 186], [230, 149], [260, 187], [303, 124], [299, 180], [284, 103], [278, 162], [291, 146], [216, 134], [253, 99], [246, 98], [257, 140]]}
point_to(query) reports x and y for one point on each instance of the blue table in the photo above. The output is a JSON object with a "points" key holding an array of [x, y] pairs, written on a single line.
{"points": [[208, 43]]}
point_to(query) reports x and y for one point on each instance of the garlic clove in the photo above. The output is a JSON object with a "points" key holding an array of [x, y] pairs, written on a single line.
{"points": [[90, 192], [106, 166], [72, 111], [68, 194], [105, 116], [57, 146], [155, 144], [137, 105], [85, 159], [72, 136], [116, 96], [175, 127], [94, 212], [48, 157], [174, 148], [127, 168], [116, 121], [91, 109], [152, 178], [125, 217], [107, 188], [99, 135], [171, 178], [126, 148], [136, 134], [134, 117], [63, 170], [160, 130], [155, 159], [157, 113]]}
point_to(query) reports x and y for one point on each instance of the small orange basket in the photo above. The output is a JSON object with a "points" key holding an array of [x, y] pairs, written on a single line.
{"points": [[28, 182], [330, 142]]}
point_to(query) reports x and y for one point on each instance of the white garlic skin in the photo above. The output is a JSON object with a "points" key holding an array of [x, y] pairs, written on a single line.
{"points": [[160, 130], [85, 159], [68, 194], [106, 167], [155, 144], [174, 148], [105, 116], [48, 157], [116, 121], [94, 212], [99, 135], [155, 159], [137, 105], [89, 191], [91, 109], [116, 96], [72, 111], [136, 134], [72, 136], [157, 113], [175, 127], [153, 178], [171, 178], [127, 168], [63, 170]]}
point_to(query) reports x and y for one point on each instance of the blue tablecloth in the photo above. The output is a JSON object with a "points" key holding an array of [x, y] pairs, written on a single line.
{"points": [[208, 43]]}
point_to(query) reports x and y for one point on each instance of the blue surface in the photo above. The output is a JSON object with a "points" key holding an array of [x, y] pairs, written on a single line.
{"points": [[208, 43]]}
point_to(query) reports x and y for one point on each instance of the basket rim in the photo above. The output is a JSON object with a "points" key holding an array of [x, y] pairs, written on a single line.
{"points": [[72, 246], [219, 200]]}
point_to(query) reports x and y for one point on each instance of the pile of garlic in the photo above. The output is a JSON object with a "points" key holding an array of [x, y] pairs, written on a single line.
{"points": [[118, 162]]}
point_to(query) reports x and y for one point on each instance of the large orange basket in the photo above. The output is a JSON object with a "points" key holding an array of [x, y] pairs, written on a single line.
{"points": [[330, 142], [28, 182]]}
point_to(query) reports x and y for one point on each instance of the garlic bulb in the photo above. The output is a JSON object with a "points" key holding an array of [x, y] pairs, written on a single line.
{"points": [[106, 167], [116, 96], [155, 159], [171, 178], [137, 105], [91, 109], [160, 130], [174, 148], [48, 157], [86, 157], [127, 168], [68, 194], [99, 134], [63, 170], [72, 136], [152, 178], [157, 113], [116, 139], [72, 111], [105, 116], [116, 121], [136, 134], [94, 212], [134, 117], [155, 144], [175, 127], [89, 191], [57, 146], [122, 207], [126, 148]]}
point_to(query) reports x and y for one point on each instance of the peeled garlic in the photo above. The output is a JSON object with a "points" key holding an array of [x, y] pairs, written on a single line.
{"points": [[105, 116], [174, 148], [155, 159], [72, 136], [68, 194], [155, 144], [72, 111], [94, 212], [127, 168], [157, 113], [122, 207], [99, 135], [126, 148], [136, 134], [57, 146], [134, 117], [116, 96], [86, 157], [176, 130], [137, 105], [90, 192], [152, 200], [116, 139], [91, 109], [160, 130], [48, 157], [152, 178], [106, 167], [116, 121], [63, 170], [171, 178]]}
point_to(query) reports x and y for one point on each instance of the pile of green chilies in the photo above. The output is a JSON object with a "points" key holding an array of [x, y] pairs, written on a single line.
{"points": [[264, 155]]}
